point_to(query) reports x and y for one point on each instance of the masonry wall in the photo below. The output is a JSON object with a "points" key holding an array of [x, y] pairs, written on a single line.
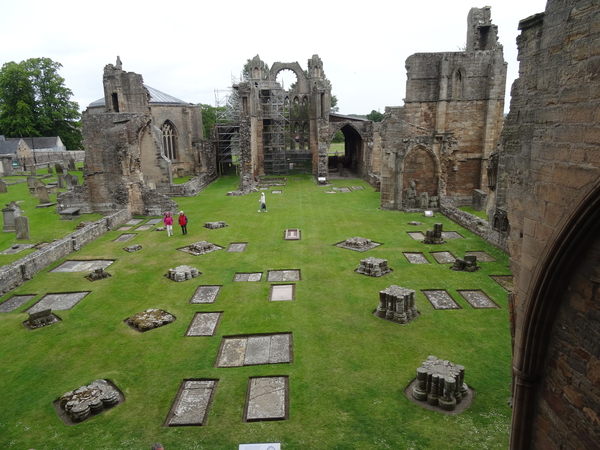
{"points": [[22, 270]]}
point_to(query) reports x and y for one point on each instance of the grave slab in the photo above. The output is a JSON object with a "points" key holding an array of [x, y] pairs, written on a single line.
{"points": [[16, 301], [283, 275], [506, 281], [292, 234], [58, 302], [276, 192], [266, 399], [443, 257], [83, 266], [451, 235], [356, 188], [125, 237], [134, 222], [206, 294], [204, 324], [16, 249], [254, 276], [145, 227], [192, 403], [237, 247], [257, 350], [416, 235], [282, 292], [232, 353], [124, 228], [77, 405], [154, 221], [482, 256], [280, 348], [416, 258], [477, 299], [440, 299]]}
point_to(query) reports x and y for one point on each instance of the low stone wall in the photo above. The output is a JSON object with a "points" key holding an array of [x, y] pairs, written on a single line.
{"points": [[17, 273], [192, 187], [475, 225]]}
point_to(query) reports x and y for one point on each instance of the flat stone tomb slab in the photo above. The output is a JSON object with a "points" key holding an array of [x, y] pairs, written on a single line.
{"points": [[200, 248], [330, 192], [358, 244], [440, 299], [276, 192], [83, 266], [145, 227], [154, 221], [250, 350], [506, 281], [283, 275], [477, 299], [125, 237], [204, 324], [482, 256], [206, 294], [443, 257], [416, 258], [356, 188], [237, 247], [58, 302], [75, 406], [16, 301], [192, 403], [344, 190], [451, 235], [416, 235], [292, 234], [282, 292], [254, 276], [16, 249], [267, 398], [124, 228], [134, 222]]}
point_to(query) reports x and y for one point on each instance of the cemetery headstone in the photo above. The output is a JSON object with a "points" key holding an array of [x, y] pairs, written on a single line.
{"points": [[61, 181], [22, 227], [9, 214], [50, 170], [72, 165], [3, 188]]}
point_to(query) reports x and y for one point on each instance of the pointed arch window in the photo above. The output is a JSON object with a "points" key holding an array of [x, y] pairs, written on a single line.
{"points": [[169, 140], [458, 80]]}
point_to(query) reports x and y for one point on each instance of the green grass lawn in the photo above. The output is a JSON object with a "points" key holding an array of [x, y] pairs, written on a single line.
{"points": [[349, 368], [337, 147]]}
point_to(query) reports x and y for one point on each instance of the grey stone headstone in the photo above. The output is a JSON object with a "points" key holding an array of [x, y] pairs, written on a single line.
{"points": [[31, 182], [42, 194], [9, 214], [72, 165], [22, 227], [3, 188], [50, 170], [61, 181], [7, 167], [58, 167]]}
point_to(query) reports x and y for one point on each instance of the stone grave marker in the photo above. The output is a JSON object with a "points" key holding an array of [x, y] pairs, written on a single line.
{"points": [[124, 228], [373, 267], [15, 302], [206, 294], [506, 281], [482, 256], [200, 248], [149, 319], [266, 399], [154, 221], [192, 403], [16, 248], [125, 237], [145, 227], [416, 258], [3, 187], [254, 276], [31, 182], [83, 265], [440, 299], [71, 180], [71, 165], [282, 292], [41, 319], [204, 324], [182, 273], [22, 228], [283, 275], [440, 383], [416, 235], [41, 193], [397, 304], [358, 244], [477, 299], [443, 257], [87, 401], [451, 235], [292, 234], [237, 247], [58, 167], [215, 225], [9, 214], [237, 351], [134, 222], [61, 181], [58, 302]]}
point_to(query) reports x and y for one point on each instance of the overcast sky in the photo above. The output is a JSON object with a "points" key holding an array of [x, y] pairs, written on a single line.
{"points": [[190, 49]]}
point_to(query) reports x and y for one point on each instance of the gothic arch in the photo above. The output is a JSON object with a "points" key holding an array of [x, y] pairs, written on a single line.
{"points": [[421, 166], [334, 127], [458, 82], [169, 139], [538, 310], [302, 83]]}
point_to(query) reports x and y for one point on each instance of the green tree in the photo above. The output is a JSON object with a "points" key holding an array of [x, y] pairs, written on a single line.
{"points": [[209, 118], [375, 116], [34, 89], [338, 137], [334, 107]]}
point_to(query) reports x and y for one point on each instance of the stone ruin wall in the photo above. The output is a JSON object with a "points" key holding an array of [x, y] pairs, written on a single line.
{"points": [[22, 270], [549, 164]]}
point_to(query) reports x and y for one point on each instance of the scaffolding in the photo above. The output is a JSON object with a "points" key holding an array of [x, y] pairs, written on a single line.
{"points": [[227, 129], [275, 128]]}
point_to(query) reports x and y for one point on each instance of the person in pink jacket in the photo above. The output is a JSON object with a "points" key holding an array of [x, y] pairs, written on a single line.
{"points": [[168, 220]]}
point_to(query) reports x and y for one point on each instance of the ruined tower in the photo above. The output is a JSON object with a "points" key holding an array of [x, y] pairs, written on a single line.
{"points": [[443, 136]]}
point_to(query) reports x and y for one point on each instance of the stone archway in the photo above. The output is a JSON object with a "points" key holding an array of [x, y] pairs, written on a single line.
{"points": [[420, 166]]}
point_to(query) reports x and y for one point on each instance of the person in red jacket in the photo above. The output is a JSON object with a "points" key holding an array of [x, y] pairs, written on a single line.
{"points": [[168, 220], [183, 222]]}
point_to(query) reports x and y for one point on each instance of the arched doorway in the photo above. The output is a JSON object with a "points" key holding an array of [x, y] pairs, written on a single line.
{"points": [[420, 167], [351, 159]]}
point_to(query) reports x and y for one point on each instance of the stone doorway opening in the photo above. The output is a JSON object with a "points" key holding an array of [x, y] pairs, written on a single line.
{"points": [[349, 163]]}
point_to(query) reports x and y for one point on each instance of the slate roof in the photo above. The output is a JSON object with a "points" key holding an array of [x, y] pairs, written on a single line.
{"points": [[38, 142], [156, 98], [9, 147]]}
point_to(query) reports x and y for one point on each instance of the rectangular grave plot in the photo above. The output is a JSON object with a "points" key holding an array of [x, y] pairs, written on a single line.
{"points": [[253, 276], [237, 247], [257, 350], [283, 275], [355, 188], [482, 256], [276, 192], [330, 192], [440, 299], [232, 351], [477, 299], [134, 222], [416, 258], [204, 324], [145, 227], [292, 234], [125, 237], [282, 292], [416, 235], [154, 221], [16, 249], [16, 301], [192, 403], [58, 302], [127, 228], [451, 235], [206, 294], [83, 266], [444, 257], [506, 281], [267, 398], [281, 350]]}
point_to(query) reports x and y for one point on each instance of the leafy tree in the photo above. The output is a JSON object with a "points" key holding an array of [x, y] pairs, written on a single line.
{"points": [[338, 137], [35, 102], [334, 107], [209, 118], [375, 116]]}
